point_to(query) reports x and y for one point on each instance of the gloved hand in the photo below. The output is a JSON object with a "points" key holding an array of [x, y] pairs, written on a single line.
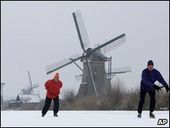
{"points": [[167, 88], [156, 87]]}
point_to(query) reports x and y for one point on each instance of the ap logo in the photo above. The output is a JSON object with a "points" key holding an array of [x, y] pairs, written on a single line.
{"points": [[162, 122]]}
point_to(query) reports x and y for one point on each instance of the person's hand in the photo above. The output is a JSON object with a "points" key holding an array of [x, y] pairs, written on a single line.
{"points": [[156, 87], [167, 88]]}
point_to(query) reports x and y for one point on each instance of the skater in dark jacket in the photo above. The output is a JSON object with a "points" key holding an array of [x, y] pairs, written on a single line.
{"points": [[149, 76], [53, 87]]}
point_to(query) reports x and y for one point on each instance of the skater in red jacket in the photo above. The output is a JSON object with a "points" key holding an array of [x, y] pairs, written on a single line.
{"points": [[53, 87]]}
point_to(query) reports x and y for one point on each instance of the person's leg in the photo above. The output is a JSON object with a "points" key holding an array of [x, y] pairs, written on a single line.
{"points": [[56, 105], [152, 103], [46, 106], [142, 100]]}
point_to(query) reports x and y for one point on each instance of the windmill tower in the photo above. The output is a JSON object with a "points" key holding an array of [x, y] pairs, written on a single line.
{"points": [[97, 64], [94, 78]]}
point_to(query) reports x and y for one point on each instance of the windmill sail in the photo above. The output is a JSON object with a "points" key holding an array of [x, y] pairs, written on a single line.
{"points": [[30, 82], [114, 42], [113, 45], [82, 33], [35, 85], [121, 70], [57, 65], [91, 76]]}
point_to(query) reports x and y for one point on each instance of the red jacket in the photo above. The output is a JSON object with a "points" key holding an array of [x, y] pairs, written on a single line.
{"points": [[53, 88]]}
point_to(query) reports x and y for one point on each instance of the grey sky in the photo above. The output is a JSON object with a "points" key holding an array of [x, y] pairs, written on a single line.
{"points": [[35, 34]]}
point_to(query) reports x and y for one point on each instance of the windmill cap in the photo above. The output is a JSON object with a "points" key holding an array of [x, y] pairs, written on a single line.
{"points": [[56, 75], [150, 62]]}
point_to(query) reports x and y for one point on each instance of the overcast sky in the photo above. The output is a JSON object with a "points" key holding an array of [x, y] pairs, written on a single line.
{"points": [[35, 34]]}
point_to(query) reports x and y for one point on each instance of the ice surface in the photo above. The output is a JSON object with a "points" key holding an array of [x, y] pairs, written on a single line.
{"points": [[82, 118]]}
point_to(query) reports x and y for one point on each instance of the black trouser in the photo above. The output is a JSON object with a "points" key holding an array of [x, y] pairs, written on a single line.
{"points": [[47, 105], [142, 100]]}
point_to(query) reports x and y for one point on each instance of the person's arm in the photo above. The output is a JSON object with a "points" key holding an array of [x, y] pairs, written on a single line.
{"points": [[161, 79], [60, 85], [46, 85]]}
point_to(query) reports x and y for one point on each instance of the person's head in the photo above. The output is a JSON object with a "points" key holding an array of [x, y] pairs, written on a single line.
{"points": [[150, 65], [56, 77]]}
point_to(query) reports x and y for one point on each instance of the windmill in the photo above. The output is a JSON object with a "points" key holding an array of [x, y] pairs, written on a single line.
{"points": [[27, 95], [27, 98], [94, 78], [30, 89]]}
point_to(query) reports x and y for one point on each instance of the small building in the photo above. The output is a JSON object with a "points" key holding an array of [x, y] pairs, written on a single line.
{"points": [[27, 102], [33, 98]]}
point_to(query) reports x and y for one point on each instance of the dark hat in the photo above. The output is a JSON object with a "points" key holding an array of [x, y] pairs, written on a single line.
{"points": [[150, 62]]}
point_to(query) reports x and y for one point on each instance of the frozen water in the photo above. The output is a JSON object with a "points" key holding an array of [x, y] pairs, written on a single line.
{"points": [[82, 118]]}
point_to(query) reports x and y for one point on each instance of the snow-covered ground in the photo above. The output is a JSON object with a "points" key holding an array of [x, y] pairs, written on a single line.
{"points": [[82, 118]]}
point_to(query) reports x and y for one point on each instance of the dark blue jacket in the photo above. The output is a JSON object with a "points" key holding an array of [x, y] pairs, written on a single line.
{"points": [[149, 78]]}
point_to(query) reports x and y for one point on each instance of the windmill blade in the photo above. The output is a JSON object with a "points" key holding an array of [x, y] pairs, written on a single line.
{"points": [[30, 89], [35, 85], [113, 42], [91, 76], [121, 70], [113, 45], [29, 76], [57, 65], [78, 77], [81, 29]]}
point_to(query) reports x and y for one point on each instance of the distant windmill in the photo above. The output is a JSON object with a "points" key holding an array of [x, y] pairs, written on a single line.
{"points": [[94, 79], [30, 89], [27, 98]]}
